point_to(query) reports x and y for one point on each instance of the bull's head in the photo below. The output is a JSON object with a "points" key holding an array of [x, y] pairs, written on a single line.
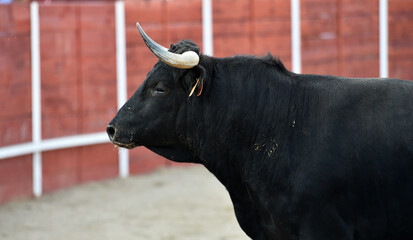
{"points": [[151, 116]]}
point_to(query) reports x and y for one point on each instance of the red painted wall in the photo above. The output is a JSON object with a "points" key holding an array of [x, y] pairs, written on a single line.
{"points": [[340, 37], [15, 105], [78, 66], [15, 72], [401, 39], [252, 27]]}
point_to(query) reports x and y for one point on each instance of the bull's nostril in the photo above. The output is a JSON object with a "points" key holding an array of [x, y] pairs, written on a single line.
{"points": [[111, 131]]}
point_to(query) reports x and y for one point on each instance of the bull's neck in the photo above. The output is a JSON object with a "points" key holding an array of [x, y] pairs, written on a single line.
{"points": [[244, 114]]}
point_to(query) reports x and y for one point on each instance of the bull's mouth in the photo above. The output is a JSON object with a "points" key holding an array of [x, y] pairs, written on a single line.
{"points": [[125, 145]]}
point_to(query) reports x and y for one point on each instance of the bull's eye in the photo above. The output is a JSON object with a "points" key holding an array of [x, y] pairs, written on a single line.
{"points": [[159, 90]]}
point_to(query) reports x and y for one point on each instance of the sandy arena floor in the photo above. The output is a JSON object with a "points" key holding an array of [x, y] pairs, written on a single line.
{"points": [[172, 203]]}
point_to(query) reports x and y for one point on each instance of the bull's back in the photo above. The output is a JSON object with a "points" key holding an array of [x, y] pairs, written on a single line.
{"points": [[373, 110], [360, 133]]}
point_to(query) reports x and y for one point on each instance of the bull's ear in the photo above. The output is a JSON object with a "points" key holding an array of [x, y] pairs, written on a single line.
{"points": [[195, 81]]}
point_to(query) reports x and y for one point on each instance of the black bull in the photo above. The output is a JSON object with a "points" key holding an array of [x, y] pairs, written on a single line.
{"points": [[302, 156]]}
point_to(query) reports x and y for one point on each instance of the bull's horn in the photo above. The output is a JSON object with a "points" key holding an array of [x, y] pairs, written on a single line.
{"points": [[185, 60]]}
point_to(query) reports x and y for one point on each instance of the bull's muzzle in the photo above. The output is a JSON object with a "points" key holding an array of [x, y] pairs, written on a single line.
{"points": [[115, 138]]}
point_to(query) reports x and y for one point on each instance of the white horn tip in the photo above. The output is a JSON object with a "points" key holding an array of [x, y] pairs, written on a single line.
{"points": [[192, 57], [138, 25]]}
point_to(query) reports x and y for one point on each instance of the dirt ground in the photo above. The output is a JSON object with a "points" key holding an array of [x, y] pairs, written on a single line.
{"points": [[172, 203]]}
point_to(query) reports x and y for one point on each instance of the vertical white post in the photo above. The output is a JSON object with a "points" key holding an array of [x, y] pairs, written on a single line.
{"points": [[384, 54], [207, 34], [295, 36], [36, 99], [121, 77]]}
